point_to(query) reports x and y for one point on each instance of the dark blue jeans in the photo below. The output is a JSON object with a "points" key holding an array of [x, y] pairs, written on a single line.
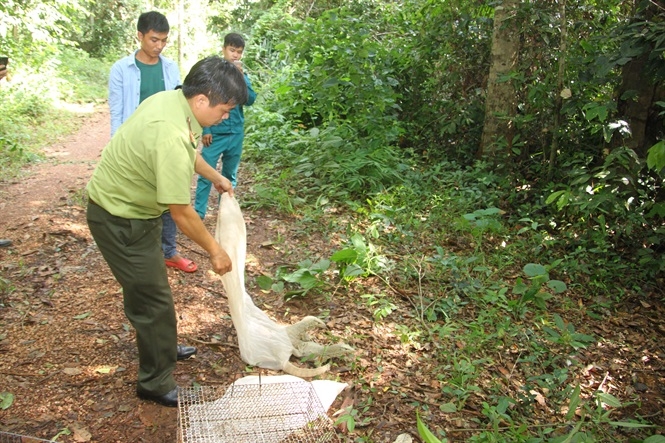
{"points": [[169, 231]]}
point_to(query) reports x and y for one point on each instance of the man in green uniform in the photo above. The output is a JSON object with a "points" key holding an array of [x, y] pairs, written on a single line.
{"points": [[147, 169]]}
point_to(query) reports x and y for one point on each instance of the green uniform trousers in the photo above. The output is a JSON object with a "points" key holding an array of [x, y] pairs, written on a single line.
{"points": [[132, 248]]}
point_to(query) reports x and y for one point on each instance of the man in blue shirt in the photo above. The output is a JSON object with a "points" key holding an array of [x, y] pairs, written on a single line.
{"points": [[135, 78]]}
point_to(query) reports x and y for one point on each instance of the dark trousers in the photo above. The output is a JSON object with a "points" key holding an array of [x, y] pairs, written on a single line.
{"points": [[132, 249]]}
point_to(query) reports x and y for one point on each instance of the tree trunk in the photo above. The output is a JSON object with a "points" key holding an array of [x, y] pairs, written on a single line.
{"points": [[501, 103], [637, 109], [558, 102], [640, 91]]}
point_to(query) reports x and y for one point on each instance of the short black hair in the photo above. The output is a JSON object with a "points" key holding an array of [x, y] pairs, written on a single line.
{"points": [[218, 80], [152, 21], [235, 40]]}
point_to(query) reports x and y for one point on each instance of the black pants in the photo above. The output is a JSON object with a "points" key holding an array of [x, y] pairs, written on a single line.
{"points": [[132, 249]]}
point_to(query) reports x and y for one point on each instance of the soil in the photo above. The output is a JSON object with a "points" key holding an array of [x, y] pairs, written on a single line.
{"points": [[68, 355]]}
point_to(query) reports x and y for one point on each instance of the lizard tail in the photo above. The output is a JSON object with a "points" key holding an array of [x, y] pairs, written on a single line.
{"points": [[292, 369]]}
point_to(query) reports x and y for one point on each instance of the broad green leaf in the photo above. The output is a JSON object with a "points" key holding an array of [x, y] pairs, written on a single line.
{"points": [[534, 270], [353, 271], [557, 286], [594, 110], [520, 288], [358, 242], [584, 338], [264, 282], [344, 256], [489, 211], [283, 89], [309, 281], [609, 400], [558, 321], [425, 433], [321, 266], [553, 196], [331, 82], [656, 156], [448, 407], [655, 439], [574, 402], [6, 400]]}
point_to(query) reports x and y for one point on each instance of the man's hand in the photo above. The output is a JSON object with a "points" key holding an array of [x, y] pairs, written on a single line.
{"points": [[221, 263], [220, 183], [206, 139], [191, 225], [223, 185]]}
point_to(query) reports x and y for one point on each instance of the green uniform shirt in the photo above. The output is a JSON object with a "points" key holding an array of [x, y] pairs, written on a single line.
{"points": [[149, 163]]}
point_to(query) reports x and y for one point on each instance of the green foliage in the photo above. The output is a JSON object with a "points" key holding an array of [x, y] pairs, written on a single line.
{"points": [[307, 276], [32, 110], [425, 433], [539, 276], [352, 417], [656, 158], [325, 156], [565, 335], [333, 81], [6, 400], [480, 223], [341, 73], [360, 259], [609, 207], [381, 305], [441, 57], [107, 28], [87, 78]]}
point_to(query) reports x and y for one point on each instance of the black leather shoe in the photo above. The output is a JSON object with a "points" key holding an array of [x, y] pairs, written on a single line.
{"points": [[184, 352], [169, 399]]}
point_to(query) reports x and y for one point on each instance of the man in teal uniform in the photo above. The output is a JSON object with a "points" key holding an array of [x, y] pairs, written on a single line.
{"points": [[145, 170], [225, 139]]}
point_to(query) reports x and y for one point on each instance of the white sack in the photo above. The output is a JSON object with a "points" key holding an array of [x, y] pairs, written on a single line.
{"points": [[262, 342]]}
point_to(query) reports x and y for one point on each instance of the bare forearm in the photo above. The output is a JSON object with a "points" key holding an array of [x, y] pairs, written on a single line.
{"points": [[189, 222], [205, 170], [221, 183]]}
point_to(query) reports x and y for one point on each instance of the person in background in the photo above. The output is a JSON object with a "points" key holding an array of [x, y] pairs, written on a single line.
{"points": [[145, 170], [225, 139], [135, 78]]}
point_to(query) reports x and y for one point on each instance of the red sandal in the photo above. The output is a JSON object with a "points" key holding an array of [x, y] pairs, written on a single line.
{"points": [[182, 263]]}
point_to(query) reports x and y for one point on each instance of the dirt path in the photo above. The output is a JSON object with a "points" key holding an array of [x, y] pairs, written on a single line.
{"points": [[50, 184]]}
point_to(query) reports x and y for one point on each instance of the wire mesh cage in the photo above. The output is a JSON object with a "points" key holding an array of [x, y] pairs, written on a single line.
{"points": [[8, 437], [253, 413]]}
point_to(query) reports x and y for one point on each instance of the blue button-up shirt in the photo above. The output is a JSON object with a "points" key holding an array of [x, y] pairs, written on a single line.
{"points": [[125, 87]]}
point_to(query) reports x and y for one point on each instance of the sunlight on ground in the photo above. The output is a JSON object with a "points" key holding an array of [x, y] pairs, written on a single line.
{"points": [[78, 108]]}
